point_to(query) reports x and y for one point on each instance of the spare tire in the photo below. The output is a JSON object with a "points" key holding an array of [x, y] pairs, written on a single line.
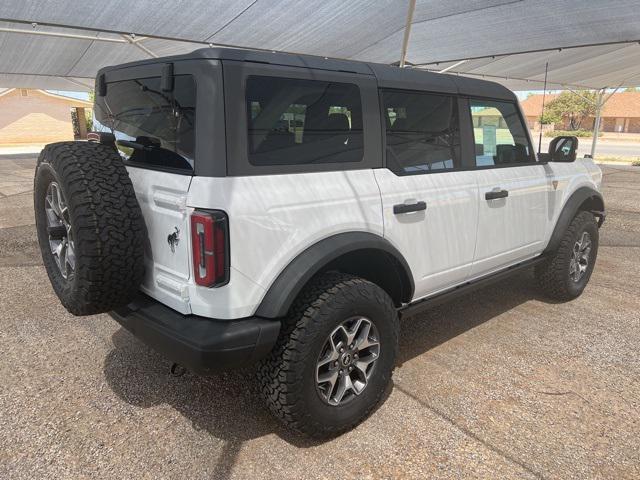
{"points": [[89, 225]]}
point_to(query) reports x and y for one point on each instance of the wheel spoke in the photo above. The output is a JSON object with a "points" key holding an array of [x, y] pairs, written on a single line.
{"points": [[71, 256], [344, 386], [328, 359], [364, 340], [57, 212], [329, 379], [364, 362]]}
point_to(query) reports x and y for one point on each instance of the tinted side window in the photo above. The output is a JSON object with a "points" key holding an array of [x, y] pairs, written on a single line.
{"points": [[293, 122], [500, 136], [422, 130]]}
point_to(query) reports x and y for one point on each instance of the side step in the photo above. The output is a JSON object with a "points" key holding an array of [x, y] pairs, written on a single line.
{"points": [[443, 297]]}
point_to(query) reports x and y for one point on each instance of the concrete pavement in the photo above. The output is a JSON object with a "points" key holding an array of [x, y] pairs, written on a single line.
{"points": [[499, 384]]}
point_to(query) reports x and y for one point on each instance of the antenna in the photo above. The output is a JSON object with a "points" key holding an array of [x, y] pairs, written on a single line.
{"points": [[544, 94]]}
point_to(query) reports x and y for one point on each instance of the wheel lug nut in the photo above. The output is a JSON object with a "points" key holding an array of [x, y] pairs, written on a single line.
{"points": [[350, 368], [355, 355], [341, 349]]}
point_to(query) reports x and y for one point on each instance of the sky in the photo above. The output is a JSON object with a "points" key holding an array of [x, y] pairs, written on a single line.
{"points": [[78, 95]]}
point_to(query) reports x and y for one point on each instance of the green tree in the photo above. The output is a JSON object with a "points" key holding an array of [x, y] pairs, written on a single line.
{"points": [[571, 106], [632, 89]]}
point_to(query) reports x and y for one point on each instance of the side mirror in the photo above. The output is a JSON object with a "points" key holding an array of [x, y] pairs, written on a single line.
{"points": [[563, 149]]}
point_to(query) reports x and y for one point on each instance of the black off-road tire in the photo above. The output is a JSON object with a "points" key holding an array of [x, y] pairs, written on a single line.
{"points": [[106, 224], [287, 376], [553, 275]]}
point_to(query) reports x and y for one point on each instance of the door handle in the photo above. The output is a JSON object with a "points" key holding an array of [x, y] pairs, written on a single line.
{"points": [[409, 207], [493, 194]]}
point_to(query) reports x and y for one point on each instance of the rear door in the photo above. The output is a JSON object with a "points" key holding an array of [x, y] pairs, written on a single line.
{"points": [[430, 204], [513, 187]]}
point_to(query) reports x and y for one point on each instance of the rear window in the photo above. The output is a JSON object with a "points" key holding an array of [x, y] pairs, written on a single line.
{"points": [[152, 128], [295, 122]]}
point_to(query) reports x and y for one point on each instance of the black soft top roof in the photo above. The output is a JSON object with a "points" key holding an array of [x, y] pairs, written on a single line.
{"points": [[387, 76]]}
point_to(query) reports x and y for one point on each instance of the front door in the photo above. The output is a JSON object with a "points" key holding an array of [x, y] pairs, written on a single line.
{"points": [[429, 205], [512, 188]]}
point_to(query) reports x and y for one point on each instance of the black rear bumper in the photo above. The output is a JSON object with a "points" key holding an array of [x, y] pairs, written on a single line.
{"points": [[203, 345]]}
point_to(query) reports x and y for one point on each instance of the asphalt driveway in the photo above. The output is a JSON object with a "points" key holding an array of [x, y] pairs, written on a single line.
{"points": [[498, 384]]}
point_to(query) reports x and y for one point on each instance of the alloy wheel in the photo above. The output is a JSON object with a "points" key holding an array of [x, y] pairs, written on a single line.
{"points": [[580, 257], [347, 360]]}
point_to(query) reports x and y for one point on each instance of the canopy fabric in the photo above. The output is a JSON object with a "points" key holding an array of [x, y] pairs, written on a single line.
{"points": [[509, 41]]}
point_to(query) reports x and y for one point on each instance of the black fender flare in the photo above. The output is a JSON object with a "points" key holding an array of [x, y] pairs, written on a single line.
{"points": [[571, 208], [294, 277]]}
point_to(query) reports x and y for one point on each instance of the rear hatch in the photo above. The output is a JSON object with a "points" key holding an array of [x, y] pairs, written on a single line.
{"points": [[154, 128]]}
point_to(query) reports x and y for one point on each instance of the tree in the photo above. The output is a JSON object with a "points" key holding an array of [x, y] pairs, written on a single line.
{"points": [[571, 106], [632, 89]]}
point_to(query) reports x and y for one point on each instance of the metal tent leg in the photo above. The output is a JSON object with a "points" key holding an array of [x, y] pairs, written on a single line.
{"points": [[596, 123]]}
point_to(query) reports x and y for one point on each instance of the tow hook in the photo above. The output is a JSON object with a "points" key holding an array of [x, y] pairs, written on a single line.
{"points": [[177, 370]]}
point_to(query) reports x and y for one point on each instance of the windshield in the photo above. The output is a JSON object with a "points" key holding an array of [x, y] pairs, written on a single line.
{"points": [[152, 128]]}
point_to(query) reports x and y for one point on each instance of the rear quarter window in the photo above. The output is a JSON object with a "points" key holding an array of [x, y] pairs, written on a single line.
{"points": [[298, 122]]}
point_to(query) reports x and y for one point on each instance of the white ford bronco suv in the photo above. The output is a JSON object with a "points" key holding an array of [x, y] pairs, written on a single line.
{"points": [[245, 206]]}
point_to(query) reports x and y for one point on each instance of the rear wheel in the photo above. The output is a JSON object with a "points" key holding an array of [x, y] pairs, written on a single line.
{"points": [[334, 358], [89, 226], [565, 274]]}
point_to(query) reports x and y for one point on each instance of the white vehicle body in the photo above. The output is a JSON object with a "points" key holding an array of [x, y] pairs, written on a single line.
{"points": [[357, 167], [274, 218]]}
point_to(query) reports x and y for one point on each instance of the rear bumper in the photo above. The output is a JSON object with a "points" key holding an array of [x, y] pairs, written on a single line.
{"points": [[203, 345]]}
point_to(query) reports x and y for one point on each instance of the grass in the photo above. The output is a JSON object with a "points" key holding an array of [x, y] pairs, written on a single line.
{"points": [[571, 133], [621, 160]]}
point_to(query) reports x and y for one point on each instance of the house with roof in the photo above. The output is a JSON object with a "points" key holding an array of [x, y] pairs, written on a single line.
{"points": [[620, 114], [36, 117]]}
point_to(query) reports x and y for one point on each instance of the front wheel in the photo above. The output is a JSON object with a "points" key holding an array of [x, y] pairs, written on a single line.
{"points": [[565, 274], [334, 358]]}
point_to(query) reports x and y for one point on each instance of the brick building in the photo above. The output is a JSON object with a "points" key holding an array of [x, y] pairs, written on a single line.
{"points": [[620, 114], [36, 116]]}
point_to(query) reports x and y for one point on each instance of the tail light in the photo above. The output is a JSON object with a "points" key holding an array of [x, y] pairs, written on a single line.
{"points": [[210, 246]]}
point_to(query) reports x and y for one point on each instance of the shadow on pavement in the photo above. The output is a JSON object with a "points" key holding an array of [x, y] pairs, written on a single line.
{"points": [[421, 332], [228, 406]]}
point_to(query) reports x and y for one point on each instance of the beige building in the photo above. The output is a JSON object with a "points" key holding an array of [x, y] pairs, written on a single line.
{"points": [[38, 117], [620, 114]]}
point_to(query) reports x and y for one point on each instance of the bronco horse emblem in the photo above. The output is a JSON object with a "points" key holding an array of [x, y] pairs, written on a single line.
{"points": [[173, 239]]}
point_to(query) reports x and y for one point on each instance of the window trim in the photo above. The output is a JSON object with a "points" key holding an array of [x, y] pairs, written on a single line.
{"points": [[471, 139], [235, 76], [383, 125]]}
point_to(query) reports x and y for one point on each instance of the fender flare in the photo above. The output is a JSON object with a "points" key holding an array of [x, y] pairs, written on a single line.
{"points": [[571, 208], [300, 270]]}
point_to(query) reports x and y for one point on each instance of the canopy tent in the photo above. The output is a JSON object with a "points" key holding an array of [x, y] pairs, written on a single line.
{"points": [[61, 44]]}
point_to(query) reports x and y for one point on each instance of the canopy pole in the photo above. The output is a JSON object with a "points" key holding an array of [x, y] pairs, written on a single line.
{"points": [[407, 31], [138, 43], [596, 123], [74, 36], [451, 67], [600, 101]]}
